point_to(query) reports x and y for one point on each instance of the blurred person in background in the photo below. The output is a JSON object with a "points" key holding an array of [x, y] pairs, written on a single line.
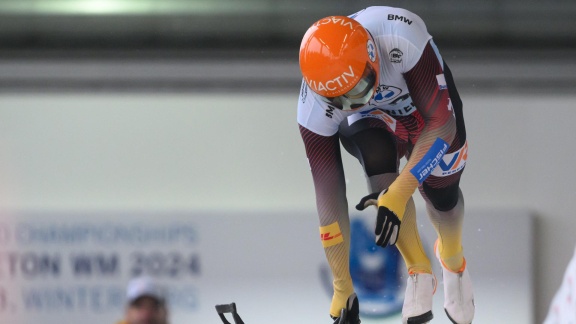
{"points": [[563, 306], [145, 302], [376, 83]]}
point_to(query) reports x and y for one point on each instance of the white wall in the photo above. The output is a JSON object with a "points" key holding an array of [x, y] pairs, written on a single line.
{"points": [[243, 151]]}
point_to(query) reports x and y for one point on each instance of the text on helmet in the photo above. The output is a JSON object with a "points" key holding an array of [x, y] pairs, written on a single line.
{"points": [[330, 85], [334, 20]]}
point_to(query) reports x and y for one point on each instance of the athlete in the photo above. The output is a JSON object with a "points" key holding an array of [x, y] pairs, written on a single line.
{"points": [[376, 83]]}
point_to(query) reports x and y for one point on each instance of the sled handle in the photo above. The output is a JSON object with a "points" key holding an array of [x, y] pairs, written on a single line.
{"points": [[228, 308]]}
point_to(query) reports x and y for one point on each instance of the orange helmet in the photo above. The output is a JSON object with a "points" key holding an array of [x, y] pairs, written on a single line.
{"points": [[339, 61]]}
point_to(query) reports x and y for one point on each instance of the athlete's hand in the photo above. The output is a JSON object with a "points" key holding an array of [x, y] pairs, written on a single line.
{"points": [[387, 222]]}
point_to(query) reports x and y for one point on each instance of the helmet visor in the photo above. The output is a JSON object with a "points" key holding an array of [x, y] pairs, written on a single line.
{"points": [[359, 95]]}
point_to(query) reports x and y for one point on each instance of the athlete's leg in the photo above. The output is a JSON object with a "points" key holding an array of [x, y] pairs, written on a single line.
{"points": [[409, 243], [445, 207], [444, 199], [377, 151]]}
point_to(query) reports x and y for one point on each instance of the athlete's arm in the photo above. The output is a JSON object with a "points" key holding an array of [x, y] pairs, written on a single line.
{"points": [[429, 93], [325, 161]]}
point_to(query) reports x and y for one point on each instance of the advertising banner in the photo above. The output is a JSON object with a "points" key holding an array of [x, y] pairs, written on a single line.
{"points": [[73, 267]]}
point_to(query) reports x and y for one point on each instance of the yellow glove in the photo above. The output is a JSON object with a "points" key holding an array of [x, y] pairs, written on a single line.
{"points": [[387, 220]]}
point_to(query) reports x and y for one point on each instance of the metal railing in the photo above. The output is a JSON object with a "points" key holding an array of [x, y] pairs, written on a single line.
{"points": [[269, 23]]}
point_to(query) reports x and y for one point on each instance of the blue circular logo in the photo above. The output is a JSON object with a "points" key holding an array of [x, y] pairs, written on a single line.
{"points": [[377, 273]]}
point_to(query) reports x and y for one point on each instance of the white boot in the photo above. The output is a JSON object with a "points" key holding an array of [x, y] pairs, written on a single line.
{"points": [[458, 293], [420, 290]]}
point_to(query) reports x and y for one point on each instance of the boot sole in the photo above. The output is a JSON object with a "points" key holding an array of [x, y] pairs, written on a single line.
{"points": [[450, 318], [421, 319]]}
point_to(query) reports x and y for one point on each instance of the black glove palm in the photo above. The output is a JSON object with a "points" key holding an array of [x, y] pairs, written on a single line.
{"points": [[387, 222]]}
